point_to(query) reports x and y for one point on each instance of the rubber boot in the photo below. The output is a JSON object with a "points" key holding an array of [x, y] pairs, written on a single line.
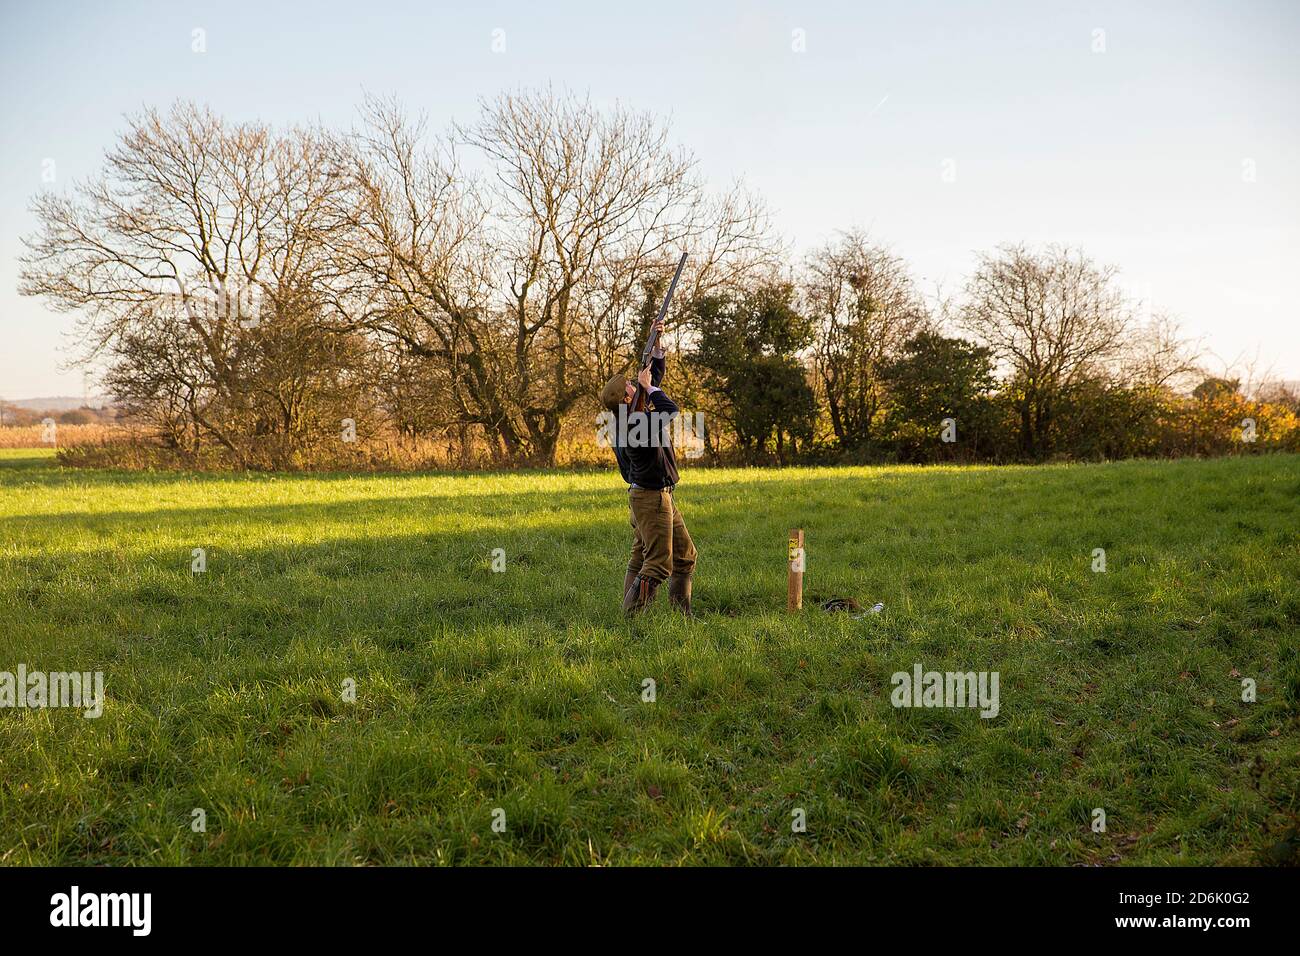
{"points": [[639, 596], [679, 593]]}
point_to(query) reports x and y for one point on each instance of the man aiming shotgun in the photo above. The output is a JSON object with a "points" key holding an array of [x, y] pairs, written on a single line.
{"points": [[661, 546]]}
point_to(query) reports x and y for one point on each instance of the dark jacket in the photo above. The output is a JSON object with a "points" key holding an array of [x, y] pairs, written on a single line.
{"points": [[652, 463]]}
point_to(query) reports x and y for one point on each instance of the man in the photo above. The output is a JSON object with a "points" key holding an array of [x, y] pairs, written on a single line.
{"points": [[661, 546]]}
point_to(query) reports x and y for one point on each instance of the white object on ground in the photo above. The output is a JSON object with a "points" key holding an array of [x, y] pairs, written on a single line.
{"points": [[874, 609]]}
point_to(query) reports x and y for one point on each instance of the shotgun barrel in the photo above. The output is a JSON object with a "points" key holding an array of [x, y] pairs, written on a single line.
{"points": [[639, 399]]}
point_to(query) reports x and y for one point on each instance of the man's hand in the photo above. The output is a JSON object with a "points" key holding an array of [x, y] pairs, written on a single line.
{"points": [[658, 350], [643, 377]]}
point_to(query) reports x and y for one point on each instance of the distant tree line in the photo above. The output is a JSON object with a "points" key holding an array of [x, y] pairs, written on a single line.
{"points": [[20, 416], [286, 298]]}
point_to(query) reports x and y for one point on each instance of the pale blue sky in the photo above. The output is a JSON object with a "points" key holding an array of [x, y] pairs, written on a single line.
{"points": [[1135, 153]]}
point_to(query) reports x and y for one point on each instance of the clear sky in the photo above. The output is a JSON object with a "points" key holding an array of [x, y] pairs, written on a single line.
{"points": [[1172, 152]]}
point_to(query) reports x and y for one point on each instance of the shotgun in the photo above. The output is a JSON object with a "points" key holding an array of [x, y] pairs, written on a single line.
{"points": [[639, 399]]}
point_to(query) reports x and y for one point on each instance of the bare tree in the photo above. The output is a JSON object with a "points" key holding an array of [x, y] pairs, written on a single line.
{"points": [[197, 236], [865, 306], [1053, 319], [1157, 356], [418, 268], [527, 283]]}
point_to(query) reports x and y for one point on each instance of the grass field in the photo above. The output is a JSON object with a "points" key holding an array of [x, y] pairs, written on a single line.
{"points": [[523, 690]]}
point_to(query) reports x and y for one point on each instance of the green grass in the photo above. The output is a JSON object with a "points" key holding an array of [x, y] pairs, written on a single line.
{"points": [[522, 690]]}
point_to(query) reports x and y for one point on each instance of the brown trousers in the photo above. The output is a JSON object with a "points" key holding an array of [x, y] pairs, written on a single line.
{"points": [[661, 545]]}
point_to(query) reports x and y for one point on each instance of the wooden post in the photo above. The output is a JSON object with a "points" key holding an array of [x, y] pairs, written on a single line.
{"points": [[794, 593]]}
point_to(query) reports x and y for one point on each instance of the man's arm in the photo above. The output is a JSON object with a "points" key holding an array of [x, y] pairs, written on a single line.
{"points": [[660, 402]]}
